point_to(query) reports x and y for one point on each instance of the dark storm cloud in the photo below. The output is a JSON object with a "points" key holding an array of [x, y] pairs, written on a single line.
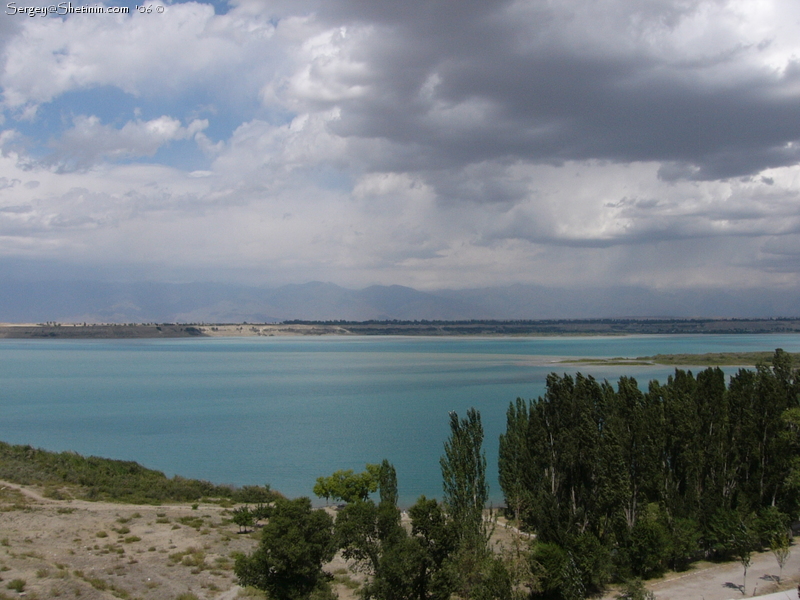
{"points": [[541, 94]]}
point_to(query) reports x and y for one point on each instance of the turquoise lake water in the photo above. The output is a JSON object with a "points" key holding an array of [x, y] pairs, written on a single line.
{"points": [[284, 411]]}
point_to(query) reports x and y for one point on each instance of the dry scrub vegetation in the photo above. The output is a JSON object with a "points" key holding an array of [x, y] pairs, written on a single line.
{"points": [[97, 550], [75, 549]]}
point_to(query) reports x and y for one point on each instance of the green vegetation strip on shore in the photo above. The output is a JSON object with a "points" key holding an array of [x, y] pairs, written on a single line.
{"points": [[713, 359], [93, 478]]}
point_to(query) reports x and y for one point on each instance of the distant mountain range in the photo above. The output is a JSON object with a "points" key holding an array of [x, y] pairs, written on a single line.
{"points": [[103, 302]]}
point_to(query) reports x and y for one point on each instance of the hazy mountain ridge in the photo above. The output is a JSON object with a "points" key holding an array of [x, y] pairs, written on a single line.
{"points": [[102, 302]]}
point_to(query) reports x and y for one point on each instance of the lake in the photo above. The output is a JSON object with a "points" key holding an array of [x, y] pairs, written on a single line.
{"points": [[285, 411]]}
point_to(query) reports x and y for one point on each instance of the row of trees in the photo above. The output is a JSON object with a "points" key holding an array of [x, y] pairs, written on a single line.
{"points": [[615, 483], [620, 483]]}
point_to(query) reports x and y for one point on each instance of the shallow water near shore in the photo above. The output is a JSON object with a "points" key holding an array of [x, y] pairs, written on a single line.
{"points": [[285, 411]]}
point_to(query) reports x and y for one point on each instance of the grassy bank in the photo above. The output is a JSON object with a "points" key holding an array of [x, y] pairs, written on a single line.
{"points": [[711, 359], [68, 474]]}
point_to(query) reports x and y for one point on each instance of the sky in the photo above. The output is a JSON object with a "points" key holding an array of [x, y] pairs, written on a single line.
{"points": [[429, 143]]}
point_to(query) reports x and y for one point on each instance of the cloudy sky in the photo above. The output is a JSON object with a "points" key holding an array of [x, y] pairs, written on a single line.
{"points": [[428, 143]]}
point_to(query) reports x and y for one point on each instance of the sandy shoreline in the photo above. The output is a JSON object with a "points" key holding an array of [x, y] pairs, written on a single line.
{"points": [[476, 328]]}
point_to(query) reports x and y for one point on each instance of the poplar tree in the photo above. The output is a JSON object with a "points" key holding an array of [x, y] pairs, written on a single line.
{"points": [[464, 476], [479, 574]]}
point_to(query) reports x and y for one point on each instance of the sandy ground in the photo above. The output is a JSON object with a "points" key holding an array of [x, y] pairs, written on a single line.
{"points": [[101, 550], [707, 581]]}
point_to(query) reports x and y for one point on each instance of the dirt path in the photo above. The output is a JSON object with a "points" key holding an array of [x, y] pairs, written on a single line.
{"points": [[723, 582]]}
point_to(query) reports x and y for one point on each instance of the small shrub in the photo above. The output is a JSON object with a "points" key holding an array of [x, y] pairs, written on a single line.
{"points": [[186, 596], [196, 522], [18, 585], [251, 592], [54, 493], [101, 534], [132, 538], [346, 581], [635, 590], [42, 573], [97, 583], [5, 542], [65, 510]]}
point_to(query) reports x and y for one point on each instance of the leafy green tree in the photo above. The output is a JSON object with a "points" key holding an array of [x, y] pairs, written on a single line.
{"points": [[592, 560], [745, 541], [572, 583], [549, 561], [295, 543], [437, 539], [401, 567], [261, 512], [684, 543], [649, 548], [790, 441], [399, 571], [347, 486], [358, 535], [780, 549], [244, 518]]}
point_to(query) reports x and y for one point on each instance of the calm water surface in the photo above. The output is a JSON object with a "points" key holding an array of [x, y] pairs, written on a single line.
{"points": [[284, 411]]}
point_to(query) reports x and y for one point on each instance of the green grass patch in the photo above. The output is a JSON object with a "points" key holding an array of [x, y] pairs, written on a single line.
{"points": [[104, 479], [710, 359], [196, 522]]}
